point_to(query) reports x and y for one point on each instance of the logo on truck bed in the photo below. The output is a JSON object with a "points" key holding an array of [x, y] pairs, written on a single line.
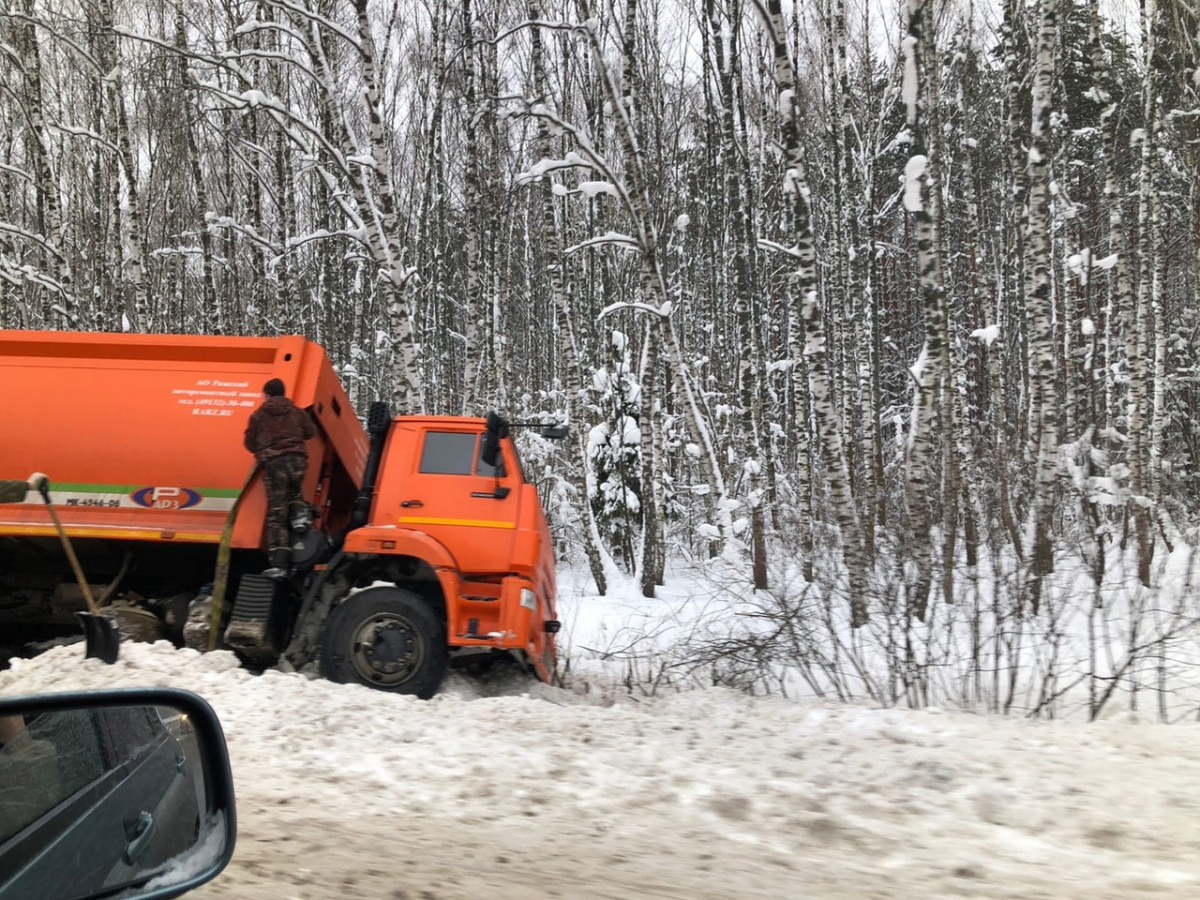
{"points": [[166, 497]]}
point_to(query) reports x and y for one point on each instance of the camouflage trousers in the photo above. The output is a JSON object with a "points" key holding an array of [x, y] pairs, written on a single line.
{"points": [[283, 478]]}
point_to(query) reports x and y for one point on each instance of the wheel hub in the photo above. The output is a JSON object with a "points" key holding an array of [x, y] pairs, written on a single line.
{"points": [[387, 649]]}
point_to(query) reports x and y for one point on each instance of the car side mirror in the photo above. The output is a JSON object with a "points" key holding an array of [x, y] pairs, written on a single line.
{"points": [[112, 792]]}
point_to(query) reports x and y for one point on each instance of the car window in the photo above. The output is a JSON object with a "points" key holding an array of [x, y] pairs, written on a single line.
{"points": [[456, 453], [46, 762], [78, 744], [447, 453], [129, 729]]}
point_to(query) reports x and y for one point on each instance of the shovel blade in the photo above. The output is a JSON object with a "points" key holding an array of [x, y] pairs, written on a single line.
{"points": [[103, 639]]}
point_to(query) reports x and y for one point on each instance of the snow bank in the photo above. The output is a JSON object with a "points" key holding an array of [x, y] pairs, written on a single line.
{"points": [[513, 789]]}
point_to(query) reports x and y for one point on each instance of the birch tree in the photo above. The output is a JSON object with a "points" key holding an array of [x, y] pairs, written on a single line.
{"points": [[59, 296], [929, 369], [568, 355], [1044, 422], [473, 218], [807, 309], [744, 283], [1151, 374]]}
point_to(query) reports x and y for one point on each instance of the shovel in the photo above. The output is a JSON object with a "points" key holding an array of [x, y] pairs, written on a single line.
{"points": [[99, 631]]}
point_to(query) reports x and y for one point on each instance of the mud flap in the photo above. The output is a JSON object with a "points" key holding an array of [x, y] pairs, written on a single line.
{"points": [[103, 641]]}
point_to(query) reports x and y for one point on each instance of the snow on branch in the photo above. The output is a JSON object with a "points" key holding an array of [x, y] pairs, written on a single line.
{"points": [[247, 231], [14, 57], [663, 311], [285, 117], [591, 188], [76, 131], [40, 240], [18, 173], [354, 234], [171, 48], [255, 99], [774, 247], [257, 54], [315, 18], [63, 311], [545, 166], [32, 275], [987, 335], [535, 23], [611, 237], [49, 28], [587, 153]]}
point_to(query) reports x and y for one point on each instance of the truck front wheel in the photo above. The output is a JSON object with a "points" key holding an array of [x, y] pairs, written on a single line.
{"points": [[385, 638]]}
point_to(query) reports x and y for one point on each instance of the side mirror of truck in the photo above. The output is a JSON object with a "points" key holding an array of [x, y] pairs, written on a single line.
{"points": [[497, 429], [556, 432], [112, 792]]}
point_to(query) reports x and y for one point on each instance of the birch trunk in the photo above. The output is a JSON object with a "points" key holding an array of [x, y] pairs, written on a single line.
{"points": [[1009, 378], [653, 285], [744, 285], [1151, 282], [212, 309], [49, 199], [653, 552], [568, 357], [1040, 312], [1138, 330], [133, 265], [807, 308], [406, 378], [374, 204], [928, 372], [473, 215], [960, 383]]}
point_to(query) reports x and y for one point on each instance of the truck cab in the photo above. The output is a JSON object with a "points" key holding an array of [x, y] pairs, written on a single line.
{"points": [[455, 556]]}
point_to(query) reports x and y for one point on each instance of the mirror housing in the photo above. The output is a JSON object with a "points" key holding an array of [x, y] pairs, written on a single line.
{"points": [[556, 432], [497, 430], [112, 792]]}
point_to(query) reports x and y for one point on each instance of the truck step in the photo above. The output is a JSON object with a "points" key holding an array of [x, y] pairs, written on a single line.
{"points": [[257, 616]]}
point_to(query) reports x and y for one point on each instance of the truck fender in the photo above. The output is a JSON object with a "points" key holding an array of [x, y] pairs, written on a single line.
{"points": [[400, 542]]}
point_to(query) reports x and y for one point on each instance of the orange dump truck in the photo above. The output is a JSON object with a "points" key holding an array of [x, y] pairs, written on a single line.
{"points": [[428, 546]]}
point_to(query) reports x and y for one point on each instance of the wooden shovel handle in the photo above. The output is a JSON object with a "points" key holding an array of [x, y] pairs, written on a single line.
{"points": [[44, 490]]}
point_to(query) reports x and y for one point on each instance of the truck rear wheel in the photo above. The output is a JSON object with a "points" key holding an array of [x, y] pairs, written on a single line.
{"points": [[385, 638]]}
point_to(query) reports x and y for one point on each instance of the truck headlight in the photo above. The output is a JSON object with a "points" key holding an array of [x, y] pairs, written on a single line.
{"points": [[529, 599]]}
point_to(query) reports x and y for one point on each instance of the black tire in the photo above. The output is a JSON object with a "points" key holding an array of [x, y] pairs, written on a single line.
{"points": [[386, 638]]}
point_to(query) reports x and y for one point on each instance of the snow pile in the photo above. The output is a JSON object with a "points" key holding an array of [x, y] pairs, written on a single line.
{"points": [[512, 789]]}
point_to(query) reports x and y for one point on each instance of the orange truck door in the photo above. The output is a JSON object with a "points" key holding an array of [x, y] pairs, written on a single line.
{"points": [[449, 493]]}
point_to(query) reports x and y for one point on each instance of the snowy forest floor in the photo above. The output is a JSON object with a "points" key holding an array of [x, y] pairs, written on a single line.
{"points": [[507, 788]]}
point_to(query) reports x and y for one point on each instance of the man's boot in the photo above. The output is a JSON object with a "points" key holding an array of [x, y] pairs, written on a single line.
{"points": [[300, 516], [279, 557]]}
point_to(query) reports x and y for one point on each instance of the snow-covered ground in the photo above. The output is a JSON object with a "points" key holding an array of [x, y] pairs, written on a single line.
{"points": [[511, 789]]}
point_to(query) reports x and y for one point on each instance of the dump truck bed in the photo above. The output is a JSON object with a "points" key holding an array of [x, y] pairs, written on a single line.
{"points": [[141, 435]]}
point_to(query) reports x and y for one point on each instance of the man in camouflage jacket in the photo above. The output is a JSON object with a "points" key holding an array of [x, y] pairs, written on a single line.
{"points": [[276, 435]]}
